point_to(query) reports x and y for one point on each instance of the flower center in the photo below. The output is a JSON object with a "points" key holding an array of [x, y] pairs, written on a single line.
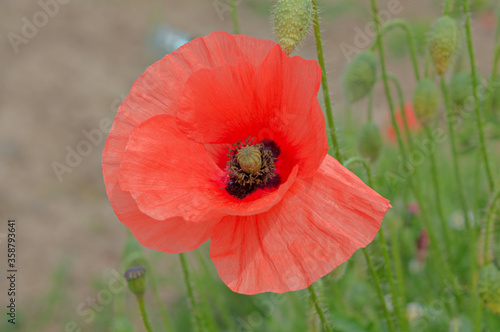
{"points": [[251, 167]]}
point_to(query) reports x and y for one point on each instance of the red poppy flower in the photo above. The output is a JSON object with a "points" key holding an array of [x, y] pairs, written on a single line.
{"points": [[224, 139], [413, 124]]}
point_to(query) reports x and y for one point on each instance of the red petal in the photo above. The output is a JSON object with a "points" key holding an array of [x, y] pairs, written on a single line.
{"points": [[170, 175], [157, 90], [276, 100], [319, 224], [171, 236]]}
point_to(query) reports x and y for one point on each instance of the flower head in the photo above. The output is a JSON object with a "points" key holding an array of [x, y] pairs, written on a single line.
{"points": [[224, 139]]}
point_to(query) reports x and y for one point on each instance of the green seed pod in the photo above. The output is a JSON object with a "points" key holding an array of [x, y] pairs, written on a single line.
{"points": [[250, 159], [292, 19], [488, 286], [136, 280], [425, 101], [369, 141], [443, 43], [360, 76], [461, 93]]}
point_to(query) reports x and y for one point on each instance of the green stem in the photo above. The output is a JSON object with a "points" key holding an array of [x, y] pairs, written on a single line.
{"points": [[454, 154], [217, 296], [385, 253], [399, 23], [319, 309], [324, 83], [488, 104], [416, 189], [489, 221], [401, 98], [447, 7], [437, 192], [396, 301], [167, 324], [189, 288], [398, 266], [144, 314], [479, 117], [234, 14], [370, 107], [380, 294]]}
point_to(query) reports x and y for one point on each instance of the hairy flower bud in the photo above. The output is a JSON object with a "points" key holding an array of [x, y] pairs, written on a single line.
{"points": [[461, 92], [360, 76], [369, 141], [292, 19], [425, 101], [443, 43]]}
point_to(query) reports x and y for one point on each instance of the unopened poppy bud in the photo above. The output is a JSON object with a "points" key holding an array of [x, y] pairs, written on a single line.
{"points": [[443, 43], [250, 159], [461, 92], [489, 287], [360, 76], [369, 141], [425, 101], [136, 280], [292, 19]]}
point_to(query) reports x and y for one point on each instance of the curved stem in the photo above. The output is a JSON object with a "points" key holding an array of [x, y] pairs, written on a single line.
{"points": [[319, 309], [489, 221], [234, 15], [324, 84], [454, 154], [479, 117], [399, 23], [144, 314], [189, 288]]}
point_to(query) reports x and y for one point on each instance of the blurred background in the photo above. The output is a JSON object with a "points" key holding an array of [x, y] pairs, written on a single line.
{"points": [[63, 75]]}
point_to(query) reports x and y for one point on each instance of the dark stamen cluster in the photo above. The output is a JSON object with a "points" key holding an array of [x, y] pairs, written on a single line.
{"points": [[241, 183]]}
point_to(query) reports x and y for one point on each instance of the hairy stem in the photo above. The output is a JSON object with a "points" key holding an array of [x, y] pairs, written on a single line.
{"points": [[324, 84]]}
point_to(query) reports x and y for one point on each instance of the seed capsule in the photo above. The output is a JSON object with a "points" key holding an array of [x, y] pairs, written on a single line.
{"points": [[369, 141], [443, 43], [292, 19], [250, 159], [360, 76], [461, 92], [136, 280], [425, 101]]}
